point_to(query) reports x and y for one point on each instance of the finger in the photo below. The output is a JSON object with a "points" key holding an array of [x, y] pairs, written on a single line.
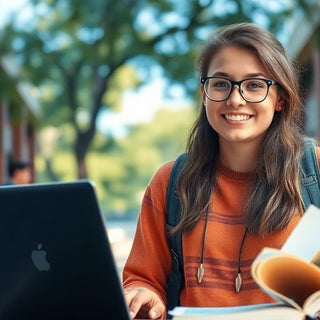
{"points": [[157, 310], [129, 294], [137, 302]]}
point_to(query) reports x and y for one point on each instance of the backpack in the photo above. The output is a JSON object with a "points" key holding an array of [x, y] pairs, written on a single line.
{"points": [[310, 192]]}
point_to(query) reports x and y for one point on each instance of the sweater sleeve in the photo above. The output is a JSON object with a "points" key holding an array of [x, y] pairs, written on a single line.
{"points": [[149, 261]]}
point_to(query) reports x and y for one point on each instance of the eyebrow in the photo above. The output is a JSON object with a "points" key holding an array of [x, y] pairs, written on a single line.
{"points": [[248, 75]]}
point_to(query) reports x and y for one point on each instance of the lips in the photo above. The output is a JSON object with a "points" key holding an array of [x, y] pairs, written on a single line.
{"points": [[237, 117]]}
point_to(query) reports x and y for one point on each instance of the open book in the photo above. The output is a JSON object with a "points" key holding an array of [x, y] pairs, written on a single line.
{"points": [[290, 275]]}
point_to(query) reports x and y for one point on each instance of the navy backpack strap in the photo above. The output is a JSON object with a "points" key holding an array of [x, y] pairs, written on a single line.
{"points": [[175, 280], [310, 176]]}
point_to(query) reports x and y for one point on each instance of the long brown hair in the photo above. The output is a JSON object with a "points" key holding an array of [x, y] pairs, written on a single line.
{"points": [[274, 195]]}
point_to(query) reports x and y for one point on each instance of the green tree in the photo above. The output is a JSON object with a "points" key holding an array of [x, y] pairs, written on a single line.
{"points": [[121, 174], [83, 54], [125, 171]]}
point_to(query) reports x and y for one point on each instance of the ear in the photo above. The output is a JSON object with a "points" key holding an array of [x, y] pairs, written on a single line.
{"points": [[280, 104]]}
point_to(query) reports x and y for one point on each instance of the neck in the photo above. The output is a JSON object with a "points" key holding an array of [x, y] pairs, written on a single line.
{"points": [[240, 157]]}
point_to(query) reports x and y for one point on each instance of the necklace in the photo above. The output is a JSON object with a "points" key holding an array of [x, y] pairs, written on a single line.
{"points": [[200, 270], [238, 279]]}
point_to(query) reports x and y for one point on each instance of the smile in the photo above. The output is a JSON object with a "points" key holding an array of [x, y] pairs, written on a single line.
{"points": [[237, 117]]}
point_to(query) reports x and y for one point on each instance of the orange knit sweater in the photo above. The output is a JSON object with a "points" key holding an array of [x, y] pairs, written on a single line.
{"points": [[149, 262]]}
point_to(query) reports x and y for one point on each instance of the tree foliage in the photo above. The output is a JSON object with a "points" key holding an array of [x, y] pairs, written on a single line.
{"points": [[122, 173], [82, 54]]}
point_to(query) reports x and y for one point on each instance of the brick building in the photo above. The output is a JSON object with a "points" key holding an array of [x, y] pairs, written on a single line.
{"points": [[18, 113]]}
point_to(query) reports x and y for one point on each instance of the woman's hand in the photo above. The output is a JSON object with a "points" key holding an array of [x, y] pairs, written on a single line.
{"points": [[144, 303]]}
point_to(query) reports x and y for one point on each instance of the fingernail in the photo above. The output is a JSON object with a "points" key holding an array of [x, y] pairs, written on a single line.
{"points": [[131, 314], [154, 314]]}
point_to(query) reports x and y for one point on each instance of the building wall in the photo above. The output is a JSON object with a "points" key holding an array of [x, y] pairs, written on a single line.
{"points": [[17, 140], [304, 47], [312, 102]]}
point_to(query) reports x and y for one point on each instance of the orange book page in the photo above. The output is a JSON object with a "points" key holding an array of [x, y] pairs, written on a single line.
{"points": [[285, 277]]}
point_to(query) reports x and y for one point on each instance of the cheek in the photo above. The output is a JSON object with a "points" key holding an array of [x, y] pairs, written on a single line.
{"points": [[268, 111], [213, 115]]}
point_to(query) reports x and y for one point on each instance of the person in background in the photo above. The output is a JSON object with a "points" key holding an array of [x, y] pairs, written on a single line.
{"points": [[239, 185], [19, 173]]}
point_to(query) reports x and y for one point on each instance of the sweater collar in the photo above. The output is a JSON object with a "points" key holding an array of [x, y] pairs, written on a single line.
{"points": [[234, 175]]}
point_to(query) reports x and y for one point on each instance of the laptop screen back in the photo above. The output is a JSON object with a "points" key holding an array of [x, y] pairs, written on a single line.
{"points": [[56, 260]]}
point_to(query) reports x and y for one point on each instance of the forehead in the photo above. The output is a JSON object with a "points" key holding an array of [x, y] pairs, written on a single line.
{"points": [[236, 62]]}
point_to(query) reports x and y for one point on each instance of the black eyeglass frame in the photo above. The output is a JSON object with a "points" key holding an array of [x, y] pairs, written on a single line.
{"points": [[238, 83]]}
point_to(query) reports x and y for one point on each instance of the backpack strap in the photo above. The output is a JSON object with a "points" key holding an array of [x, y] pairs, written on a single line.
{"points": [[309, 175], [175, 280]]}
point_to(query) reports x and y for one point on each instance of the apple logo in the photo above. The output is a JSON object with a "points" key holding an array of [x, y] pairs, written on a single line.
{"points": [[39, 259]]}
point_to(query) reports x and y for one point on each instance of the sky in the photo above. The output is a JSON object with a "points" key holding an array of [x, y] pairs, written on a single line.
{"points": [[7, 6], [139, 105]]}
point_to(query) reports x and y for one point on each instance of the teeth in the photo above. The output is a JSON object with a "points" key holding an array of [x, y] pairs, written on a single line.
{"points": [[238, 117]]}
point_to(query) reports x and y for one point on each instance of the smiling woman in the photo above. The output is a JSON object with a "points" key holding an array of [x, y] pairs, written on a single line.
{"points": [[238, 184]]}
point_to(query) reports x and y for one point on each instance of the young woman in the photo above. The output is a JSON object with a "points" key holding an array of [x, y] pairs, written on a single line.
{"points": [[239, 186]]}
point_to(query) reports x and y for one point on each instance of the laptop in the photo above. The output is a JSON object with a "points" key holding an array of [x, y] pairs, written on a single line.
{"points": [[56, 261]]}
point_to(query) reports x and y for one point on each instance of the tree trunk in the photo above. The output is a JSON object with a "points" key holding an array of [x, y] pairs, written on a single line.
{"points": [[81, 169], [82, 145], [50, 172], [81, 149]]}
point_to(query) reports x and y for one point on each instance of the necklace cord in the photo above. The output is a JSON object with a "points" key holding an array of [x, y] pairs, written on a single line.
{"points": [[240, 250], [204, 235], [200, 270]]}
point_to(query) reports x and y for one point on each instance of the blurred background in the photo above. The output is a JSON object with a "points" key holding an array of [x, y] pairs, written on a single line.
{"points": [[107, 90]]}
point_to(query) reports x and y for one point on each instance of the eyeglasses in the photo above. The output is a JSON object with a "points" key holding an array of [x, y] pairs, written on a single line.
{"points": [[252, 89]]}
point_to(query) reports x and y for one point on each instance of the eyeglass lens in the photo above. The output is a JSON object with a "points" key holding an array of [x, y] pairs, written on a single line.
{"points": [[219, 89]]}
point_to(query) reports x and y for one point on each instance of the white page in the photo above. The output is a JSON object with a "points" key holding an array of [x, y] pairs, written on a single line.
{"points": [[304, 241], [198, 311]]}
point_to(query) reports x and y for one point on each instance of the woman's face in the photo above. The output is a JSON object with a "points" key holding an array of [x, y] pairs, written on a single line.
{"points": [[236, 120]]}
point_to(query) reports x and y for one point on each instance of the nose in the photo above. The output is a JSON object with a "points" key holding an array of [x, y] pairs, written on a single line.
{"points": [[235, 99]]}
